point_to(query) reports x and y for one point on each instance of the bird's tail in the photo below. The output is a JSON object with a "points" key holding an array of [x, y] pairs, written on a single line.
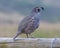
{"points": [[17, 34]]}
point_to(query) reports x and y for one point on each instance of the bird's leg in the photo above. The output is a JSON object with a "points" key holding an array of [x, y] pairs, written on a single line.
{"points": [[27, 35]]}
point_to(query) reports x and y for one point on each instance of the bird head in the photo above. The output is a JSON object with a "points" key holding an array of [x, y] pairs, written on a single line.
{"points": [[37, 9]]}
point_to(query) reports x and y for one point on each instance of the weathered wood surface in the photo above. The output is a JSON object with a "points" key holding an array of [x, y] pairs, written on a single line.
{"points": [[30, 42]]}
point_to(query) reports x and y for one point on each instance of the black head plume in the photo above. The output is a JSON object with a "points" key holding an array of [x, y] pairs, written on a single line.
{"points": [[42, 8]]}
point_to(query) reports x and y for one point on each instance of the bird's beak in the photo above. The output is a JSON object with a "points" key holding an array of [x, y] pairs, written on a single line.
{"points": [[42, 8]]}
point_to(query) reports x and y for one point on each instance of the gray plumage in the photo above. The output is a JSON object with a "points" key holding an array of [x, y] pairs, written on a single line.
{"points": [[30, 23]]}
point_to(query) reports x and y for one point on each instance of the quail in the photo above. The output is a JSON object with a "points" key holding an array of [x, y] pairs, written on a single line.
{"points": [[30, 23]]}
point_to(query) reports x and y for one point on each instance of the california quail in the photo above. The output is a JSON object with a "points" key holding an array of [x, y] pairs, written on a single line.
{"points": [[30, 23]]}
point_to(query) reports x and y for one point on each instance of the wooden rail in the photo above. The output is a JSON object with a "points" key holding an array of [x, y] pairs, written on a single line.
{"points": [[29, 42]]}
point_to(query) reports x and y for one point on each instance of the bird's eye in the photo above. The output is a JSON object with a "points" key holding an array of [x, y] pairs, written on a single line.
{"points": [[38, 10]]}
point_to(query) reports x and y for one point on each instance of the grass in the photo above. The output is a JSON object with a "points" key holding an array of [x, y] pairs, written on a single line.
{"points": [[46, 33], [46, 30], [10, 30]]}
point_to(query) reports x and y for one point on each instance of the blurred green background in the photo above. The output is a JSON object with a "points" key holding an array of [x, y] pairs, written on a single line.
{"points": [[13, 11]]}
